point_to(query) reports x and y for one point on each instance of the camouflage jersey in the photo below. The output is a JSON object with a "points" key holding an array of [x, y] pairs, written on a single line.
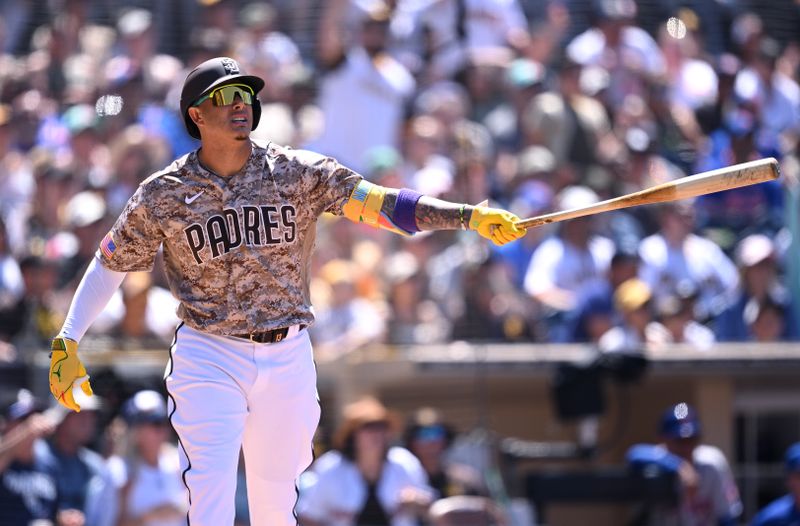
{"points": [[237, 249]]}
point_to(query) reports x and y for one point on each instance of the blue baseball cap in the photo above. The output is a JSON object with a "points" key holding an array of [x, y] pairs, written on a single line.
{"points": [[793, 458], [680, 421], [23, 406], [145, 407]]}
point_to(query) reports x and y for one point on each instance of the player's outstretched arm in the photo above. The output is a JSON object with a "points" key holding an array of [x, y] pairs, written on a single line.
{"points": [[495, 224], [406, 212], [66, 369]]}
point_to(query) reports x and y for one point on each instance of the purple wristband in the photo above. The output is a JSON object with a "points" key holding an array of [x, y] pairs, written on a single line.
{"points": [[403, 215]]}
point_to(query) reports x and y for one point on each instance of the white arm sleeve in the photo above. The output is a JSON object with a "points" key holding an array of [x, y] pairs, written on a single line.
{"points": [[94, 292]]}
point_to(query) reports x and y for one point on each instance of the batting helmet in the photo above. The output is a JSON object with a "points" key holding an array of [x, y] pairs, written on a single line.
{"points": [[209, 75]]}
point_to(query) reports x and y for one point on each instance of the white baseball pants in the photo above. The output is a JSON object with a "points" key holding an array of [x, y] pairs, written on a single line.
{"points": [[227, 393]]}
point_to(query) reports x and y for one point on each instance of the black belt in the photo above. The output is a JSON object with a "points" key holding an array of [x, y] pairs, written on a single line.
{"points": [[273, 336]]}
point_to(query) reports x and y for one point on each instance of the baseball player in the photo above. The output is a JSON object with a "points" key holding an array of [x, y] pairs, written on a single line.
{"points": [[708, 492], [236, 221]]}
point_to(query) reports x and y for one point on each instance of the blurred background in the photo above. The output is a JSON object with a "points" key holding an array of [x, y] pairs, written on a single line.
{"points": [[544, 361]]}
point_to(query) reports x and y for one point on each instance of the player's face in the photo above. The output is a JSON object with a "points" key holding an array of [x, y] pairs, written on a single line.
{"points": [[372, 438], [228, 112]]}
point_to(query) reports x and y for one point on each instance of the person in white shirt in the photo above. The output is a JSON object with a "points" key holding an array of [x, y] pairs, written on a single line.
{"points": [[615, 43], [675, 257], [632, 301], [148, 475], [774, 95], [364, 481], [573, 261], [363, 91]]}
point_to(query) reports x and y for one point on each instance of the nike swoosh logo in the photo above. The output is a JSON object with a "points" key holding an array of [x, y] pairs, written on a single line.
{"points": [[190, 200]]}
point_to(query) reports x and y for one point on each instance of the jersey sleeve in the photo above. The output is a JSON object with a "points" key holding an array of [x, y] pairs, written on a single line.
{"points": [[333, 183], [133, 241]]}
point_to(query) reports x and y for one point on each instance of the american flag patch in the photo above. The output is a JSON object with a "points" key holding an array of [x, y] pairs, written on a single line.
{"points": [[107, 246]]}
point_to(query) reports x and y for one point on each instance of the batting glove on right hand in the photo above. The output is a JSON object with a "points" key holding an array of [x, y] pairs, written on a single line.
{"points": [[66, 369], [495, 224]]}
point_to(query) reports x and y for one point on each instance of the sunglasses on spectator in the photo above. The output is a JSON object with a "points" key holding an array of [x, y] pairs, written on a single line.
{"points": [[430, 433], [225, 95]]}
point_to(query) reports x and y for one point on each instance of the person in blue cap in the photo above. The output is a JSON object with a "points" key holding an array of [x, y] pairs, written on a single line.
{"points": [[708, 493], [786, 510], [28, 489], [147, 472]]}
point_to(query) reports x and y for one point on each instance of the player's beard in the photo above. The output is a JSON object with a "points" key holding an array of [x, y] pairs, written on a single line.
{"points": [[242, 137]]}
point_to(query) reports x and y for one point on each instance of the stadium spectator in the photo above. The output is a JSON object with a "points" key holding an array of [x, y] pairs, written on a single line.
{"points": [[734, 213], [83, 481], [676, 257], [630, 55], [633, 304], [674, 323], [363, 90], [572, 261], [27, 483], [774, 97], [147, 474], [708, 493], [574, 126], [429, 438], [364, 480], [762, 295], [425, 168], [348, 321]]}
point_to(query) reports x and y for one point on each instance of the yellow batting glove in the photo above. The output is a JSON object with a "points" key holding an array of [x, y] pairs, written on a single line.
{"points": [[495, 224], [66, 369]]}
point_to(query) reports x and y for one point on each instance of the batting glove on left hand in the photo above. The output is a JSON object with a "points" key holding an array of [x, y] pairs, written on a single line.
{"points": [[66, 369], [495, 224]]}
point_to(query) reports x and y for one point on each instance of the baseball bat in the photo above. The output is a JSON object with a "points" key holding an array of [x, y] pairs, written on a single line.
{"points": [[738, 175]]}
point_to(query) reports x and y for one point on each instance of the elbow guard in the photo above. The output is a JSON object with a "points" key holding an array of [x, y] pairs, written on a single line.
{"points": [[366, 202]]}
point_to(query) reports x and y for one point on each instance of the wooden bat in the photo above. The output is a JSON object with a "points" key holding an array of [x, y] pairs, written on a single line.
{"points": [[735, 176]]}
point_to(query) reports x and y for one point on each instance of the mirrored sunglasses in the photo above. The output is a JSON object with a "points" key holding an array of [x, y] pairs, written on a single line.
{"points": [[225, 95]]}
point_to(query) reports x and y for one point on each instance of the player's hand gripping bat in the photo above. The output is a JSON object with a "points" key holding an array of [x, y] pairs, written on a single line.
{"points": [[735, 176]]}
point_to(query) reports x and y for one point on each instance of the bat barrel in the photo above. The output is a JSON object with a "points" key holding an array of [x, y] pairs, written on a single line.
{"points": [[710, 182]]}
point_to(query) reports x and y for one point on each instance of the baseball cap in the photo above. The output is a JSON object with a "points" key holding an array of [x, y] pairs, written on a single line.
{"points": [[363, 412], [631, 295], [23, 406], [680, 421], [84, 209], [792, 458], [144, 407], [576, 196], [209, 75], [616, 9], [754, 249], [535, 160]]}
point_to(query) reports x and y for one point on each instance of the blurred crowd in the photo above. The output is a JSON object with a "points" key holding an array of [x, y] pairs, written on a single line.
{"points": [[536, 105], [116, 463], [526, 104]]}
